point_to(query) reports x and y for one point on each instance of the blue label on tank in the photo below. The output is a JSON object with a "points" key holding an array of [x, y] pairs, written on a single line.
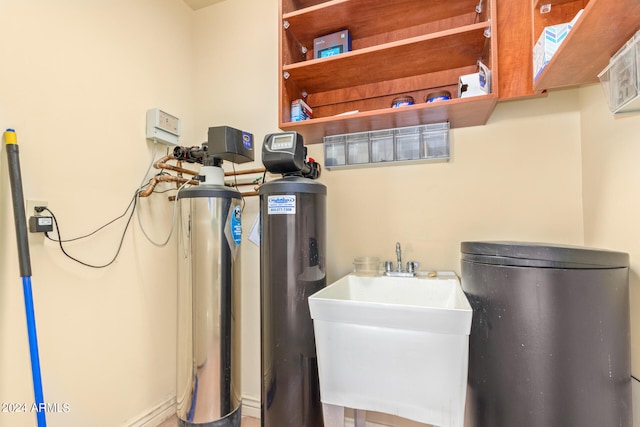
{"points": [[236, 225], [247, 140]]}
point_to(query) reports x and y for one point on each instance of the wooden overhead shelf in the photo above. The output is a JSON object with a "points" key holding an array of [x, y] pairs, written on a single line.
{"points": [[409, 47], [603, 27], [399, 48], [404, 58], [459, 112], [366, 18]]}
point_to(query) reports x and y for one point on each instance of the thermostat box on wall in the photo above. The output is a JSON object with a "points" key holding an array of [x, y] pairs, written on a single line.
{"points": [[162, 127], [332, 44]]}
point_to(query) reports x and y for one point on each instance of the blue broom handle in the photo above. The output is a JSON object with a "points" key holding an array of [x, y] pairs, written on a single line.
{"points": [[15, 179], [34, 353]]}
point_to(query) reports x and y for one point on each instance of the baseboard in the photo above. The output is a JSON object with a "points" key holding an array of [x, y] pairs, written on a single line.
{"points": [[251, 407], [161, 412], [167, 409]]}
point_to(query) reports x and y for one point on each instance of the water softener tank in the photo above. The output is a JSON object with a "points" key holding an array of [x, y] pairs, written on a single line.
{"points": [[550, 336], [208, 387], [292, 267], [208, 361]]}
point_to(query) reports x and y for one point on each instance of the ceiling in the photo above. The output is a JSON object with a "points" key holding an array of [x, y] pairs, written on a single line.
{"points": [[199, 4]]}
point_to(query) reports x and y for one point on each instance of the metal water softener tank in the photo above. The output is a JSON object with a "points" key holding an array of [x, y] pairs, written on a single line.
{"points": [[208, 386], [208, 361], [550, 336], [292, 267]]}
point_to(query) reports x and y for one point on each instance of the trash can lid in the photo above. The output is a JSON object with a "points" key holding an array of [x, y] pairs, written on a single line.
{"points": [[543, 255]]}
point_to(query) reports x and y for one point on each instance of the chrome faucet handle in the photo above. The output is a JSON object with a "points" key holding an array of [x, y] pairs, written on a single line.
{"points": [[411, 266], [388, 266]]}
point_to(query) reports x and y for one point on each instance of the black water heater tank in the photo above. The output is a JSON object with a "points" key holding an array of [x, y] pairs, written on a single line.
{"points": [[550, 337]]}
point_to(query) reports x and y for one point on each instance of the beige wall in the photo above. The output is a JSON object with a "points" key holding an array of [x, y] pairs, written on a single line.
{"points": [[516, 178], [610, 150], [81, 78], [76, 80]]}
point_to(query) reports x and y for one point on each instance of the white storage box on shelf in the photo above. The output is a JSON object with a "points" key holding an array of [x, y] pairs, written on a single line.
{"points": [[621, 78], [397, 345]]}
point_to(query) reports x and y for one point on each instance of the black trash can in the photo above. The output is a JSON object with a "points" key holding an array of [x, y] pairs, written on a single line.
{"points": [[550, 337]]}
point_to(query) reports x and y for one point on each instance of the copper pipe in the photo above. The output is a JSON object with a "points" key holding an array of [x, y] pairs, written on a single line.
{"points": [[245, 172], [162, 164], [250, 193], [239, 184], [164, 178]]}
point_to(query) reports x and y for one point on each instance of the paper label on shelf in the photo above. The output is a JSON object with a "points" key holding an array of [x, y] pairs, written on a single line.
{"points": [[281, 205]]}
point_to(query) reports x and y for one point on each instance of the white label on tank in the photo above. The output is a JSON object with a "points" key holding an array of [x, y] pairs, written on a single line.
{"points": [[281, 205]]}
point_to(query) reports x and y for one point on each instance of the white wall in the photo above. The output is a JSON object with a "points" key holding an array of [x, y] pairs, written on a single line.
{"points": [[76, 80]]}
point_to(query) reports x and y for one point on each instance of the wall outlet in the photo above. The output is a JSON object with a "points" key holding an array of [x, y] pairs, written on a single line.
{"points": [[34, 238], [31, 206]]}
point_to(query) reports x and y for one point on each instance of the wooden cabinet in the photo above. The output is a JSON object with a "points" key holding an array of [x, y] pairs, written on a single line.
{"points": [[603, 27], [399, 47]]}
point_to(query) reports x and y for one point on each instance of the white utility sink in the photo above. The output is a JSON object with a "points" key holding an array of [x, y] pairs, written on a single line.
{"points": [[397, 345]]}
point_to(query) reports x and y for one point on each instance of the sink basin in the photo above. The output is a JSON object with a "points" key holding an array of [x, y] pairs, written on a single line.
{"points": [[397, 345]]}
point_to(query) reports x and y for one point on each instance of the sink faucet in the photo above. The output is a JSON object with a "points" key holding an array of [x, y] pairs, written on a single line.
{"points": [[411, 265], [399, 257]]}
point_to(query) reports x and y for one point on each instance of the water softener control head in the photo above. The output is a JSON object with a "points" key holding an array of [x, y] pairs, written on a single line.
{"points": [[284, 153]]}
